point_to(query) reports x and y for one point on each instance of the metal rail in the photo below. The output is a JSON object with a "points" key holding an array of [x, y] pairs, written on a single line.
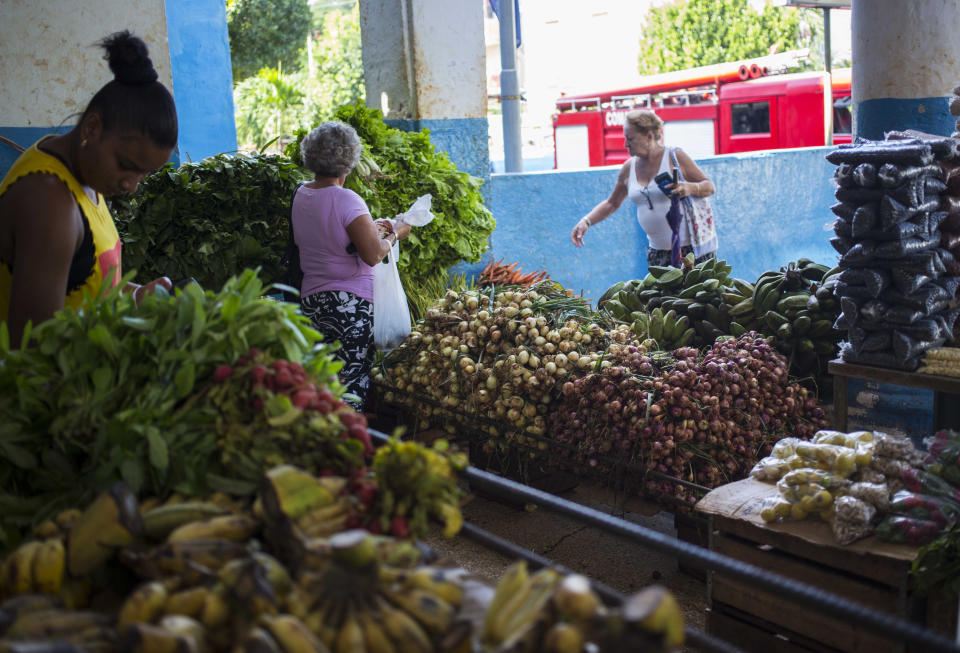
{"points": [[697, 557], [610, 596]]}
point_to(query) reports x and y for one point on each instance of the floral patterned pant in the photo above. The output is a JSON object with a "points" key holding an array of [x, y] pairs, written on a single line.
{"points": [[661, 257], [343, 317]]}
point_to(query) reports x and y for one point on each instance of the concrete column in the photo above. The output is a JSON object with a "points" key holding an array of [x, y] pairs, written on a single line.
{"points": [[904, 65], [424, 65], [51, 68]]}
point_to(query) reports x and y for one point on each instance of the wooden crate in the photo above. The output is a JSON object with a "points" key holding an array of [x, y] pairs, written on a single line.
{"points": [[870, 572]]}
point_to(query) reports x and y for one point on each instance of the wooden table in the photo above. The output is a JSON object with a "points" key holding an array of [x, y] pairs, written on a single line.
{"points": [[946, 410], [869, 571]]}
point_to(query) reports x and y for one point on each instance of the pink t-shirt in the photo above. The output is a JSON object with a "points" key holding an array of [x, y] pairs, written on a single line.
{"points": [[320, 219]]}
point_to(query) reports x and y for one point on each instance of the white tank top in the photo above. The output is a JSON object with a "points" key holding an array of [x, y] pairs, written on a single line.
{"points": [[653, 221]]}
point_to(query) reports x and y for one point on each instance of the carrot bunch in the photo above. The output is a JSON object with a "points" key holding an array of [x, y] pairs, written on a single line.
{"points": [[496, 273]]}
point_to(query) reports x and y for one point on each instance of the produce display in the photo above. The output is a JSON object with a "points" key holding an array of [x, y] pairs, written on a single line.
{"points": [[695, 304], [276, 572], [210, 219], [705, 418], [499, 274], [895, 290], [944, 361], [401, 167], [192, 393], [866, 483], [535, 372]]}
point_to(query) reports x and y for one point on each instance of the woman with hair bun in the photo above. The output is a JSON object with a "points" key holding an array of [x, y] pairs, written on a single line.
{"points": [[339, 244], [643, 133], [58, 241]]}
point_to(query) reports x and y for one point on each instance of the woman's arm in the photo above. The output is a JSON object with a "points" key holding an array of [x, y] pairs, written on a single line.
{"points": [[696, 183], [604, 209], [365, 235], [47, 231]]}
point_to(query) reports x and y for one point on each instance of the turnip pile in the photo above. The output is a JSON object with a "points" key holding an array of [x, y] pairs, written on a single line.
{"points": [[497, 355], [538, 373]]}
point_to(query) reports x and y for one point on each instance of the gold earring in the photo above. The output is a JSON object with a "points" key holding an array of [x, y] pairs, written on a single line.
{"points": [[83, 143]]}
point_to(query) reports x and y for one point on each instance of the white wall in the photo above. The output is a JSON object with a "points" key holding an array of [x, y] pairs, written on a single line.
{"points": [[49, 64]]}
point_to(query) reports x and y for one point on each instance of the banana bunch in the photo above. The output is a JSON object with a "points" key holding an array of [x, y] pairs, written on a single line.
{"points": [[795, 305], [356, 603], [675, 306], [549, 612], [36, 622]]}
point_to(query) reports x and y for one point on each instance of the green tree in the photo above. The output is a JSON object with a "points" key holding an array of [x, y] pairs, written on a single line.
{"points": [[690, 33], [334, 64], [268, 107], [266, 33], [275, 105]]}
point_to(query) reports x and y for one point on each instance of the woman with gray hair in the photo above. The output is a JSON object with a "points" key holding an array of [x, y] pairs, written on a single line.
{"points": [[339, 244]]}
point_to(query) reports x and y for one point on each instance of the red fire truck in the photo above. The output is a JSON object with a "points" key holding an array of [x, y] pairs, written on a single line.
{"points": [[740, 106]]}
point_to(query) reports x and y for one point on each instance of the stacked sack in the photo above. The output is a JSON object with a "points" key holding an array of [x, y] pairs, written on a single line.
{"points": [[894, 290]]}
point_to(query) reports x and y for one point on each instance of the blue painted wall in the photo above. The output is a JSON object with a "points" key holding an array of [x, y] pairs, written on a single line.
{"points": [[877, 116], [772, 207], [202, 77]]}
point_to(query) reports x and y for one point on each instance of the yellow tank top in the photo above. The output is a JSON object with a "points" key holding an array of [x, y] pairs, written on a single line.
{"points": [[98, 260]]}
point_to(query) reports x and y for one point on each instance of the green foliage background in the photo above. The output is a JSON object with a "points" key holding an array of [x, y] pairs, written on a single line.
{"points": [[265, 33], [277, 101], [701, 32]]}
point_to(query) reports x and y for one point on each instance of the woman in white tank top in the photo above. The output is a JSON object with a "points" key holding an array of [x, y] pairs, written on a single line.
{"points": [[642, 133]]}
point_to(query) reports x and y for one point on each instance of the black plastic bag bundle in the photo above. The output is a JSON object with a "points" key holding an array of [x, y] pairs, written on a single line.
{"points": [[875, 280], [863, 340], [844, 210], [865, 175], [926, 298], [901, 152], [879, 358]]}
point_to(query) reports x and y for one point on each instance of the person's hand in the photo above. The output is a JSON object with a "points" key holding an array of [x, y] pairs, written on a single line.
{"points": [[402, 229], [146, 289], [579, 230], [384, 227], [683, 189]]}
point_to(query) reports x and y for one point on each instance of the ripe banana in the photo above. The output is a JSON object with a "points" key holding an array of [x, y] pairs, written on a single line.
{"points": [[216, 607], [16, 575], [374, 635], [528, 605], [430, 610], [238, 528], [575, 599], [292, 492], [443, 583], [350, 638], [45, 529], [147, 638], [407, 635], [259, 640], [292, 635], [654, 610], [325, 620], [513, 581], [49, 564], [52, 624], [66, 518], [188, 602], [111, 521], [144, 605], [188, 559], [162, 520], [563, 637]]}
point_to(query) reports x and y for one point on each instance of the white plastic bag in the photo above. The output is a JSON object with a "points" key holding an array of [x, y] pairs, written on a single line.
{"points": [[391, 316], [419, 214]]}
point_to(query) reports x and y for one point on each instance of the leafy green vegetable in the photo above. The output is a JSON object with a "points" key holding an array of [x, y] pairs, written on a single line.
{"points": [[937, 565], [113, 392], [411, 167], [210, 219]]}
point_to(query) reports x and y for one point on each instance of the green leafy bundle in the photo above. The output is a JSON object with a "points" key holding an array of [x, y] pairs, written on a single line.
{"points": [[115, 392], [412, 167], [210, 219]]}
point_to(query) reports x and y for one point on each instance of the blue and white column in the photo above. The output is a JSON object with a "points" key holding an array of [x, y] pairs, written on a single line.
{"points": [[905, 65], [424, 65], [51, 68]]}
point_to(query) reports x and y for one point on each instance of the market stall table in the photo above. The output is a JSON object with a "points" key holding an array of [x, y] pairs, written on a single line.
{"points": [[946, 413], [871, 572]]}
